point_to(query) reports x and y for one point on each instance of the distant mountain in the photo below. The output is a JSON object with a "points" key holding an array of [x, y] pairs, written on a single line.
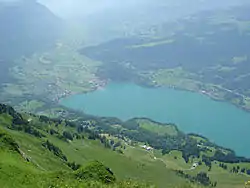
{"points": [[107, 20], [210, 46], [85, 7], [26, 27]]}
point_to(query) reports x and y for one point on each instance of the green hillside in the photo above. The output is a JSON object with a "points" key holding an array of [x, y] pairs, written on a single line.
{"points": [[37, 151]]}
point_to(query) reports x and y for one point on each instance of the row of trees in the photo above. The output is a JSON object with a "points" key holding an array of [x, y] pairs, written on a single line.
{"points": [[235, 169], [17, 118], [223, 158], [229, 157], [55, 150], [111, 144], [201, 178], [27, 128], [74, 166]]}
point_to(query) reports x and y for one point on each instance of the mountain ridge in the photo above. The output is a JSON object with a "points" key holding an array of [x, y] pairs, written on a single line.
{"points": [[36, 32]]}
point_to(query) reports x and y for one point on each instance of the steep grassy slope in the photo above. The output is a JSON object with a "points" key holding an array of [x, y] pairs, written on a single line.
{"points": [[15, 171], [36, 151], [34, 165]]}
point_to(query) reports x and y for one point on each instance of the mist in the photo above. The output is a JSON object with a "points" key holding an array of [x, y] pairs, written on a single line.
{"points": [[75, 9], [81, 8]]}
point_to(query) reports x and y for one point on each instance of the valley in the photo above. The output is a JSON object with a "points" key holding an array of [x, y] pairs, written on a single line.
{"points": [[205, 53], [67, 68], [156, 98]]}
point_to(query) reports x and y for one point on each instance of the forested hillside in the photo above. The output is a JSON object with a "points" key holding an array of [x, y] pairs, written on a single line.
{"points": [[206, 52]]}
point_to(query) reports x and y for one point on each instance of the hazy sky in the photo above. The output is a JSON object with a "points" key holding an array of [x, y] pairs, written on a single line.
{"points": [[77, 8], [7, 1], [74, 8]]}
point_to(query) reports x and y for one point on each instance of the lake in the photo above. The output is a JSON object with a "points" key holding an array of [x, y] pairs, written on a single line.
{"points": [[221, 122]]}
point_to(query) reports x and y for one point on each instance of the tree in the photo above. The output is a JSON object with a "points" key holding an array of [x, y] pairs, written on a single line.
{"points": [[69, 123], [203, 178], [103, 139], [80, 129], [215, 184], [92, 136], [238, 167], [77, 136], [248, 171], [117, 144], [243, 170], [234, 170], [44, 119], [52, 132], [207, 161], [56, 150], [74, 166], [67, 135]]}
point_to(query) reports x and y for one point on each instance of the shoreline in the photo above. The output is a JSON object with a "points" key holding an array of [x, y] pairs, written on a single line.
{"points": [[201, 92], [178, 126], [104, 83], [99, 86], [210, 96]]}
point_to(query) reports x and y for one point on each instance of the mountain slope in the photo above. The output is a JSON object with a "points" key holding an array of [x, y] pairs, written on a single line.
{"points": [[50, 153], [42, 152], [108, 20], [26, 27]]}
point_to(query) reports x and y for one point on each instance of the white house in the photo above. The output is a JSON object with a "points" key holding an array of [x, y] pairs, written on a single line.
{"points": [[149, 148], [195, 165]]}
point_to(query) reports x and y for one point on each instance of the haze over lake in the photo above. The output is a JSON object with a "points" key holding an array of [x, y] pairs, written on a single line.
{"points": [[221, 122]]}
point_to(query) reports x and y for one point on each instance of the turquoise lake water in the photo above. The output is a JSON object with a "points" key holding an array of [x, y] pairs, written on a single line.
{"points": [[221, 122]]}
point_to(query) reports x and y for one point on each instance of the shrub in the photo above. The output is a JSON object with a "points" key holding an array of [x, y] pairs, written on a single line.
{"points": [[96, 171], [73, 166], [56, 150], [7, 142], [68, 135]]}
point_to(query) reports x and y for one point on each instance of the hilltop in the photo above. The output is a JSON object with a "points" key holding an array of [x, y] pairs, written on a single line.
{"points": [[26, 27], [60, 152]]}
